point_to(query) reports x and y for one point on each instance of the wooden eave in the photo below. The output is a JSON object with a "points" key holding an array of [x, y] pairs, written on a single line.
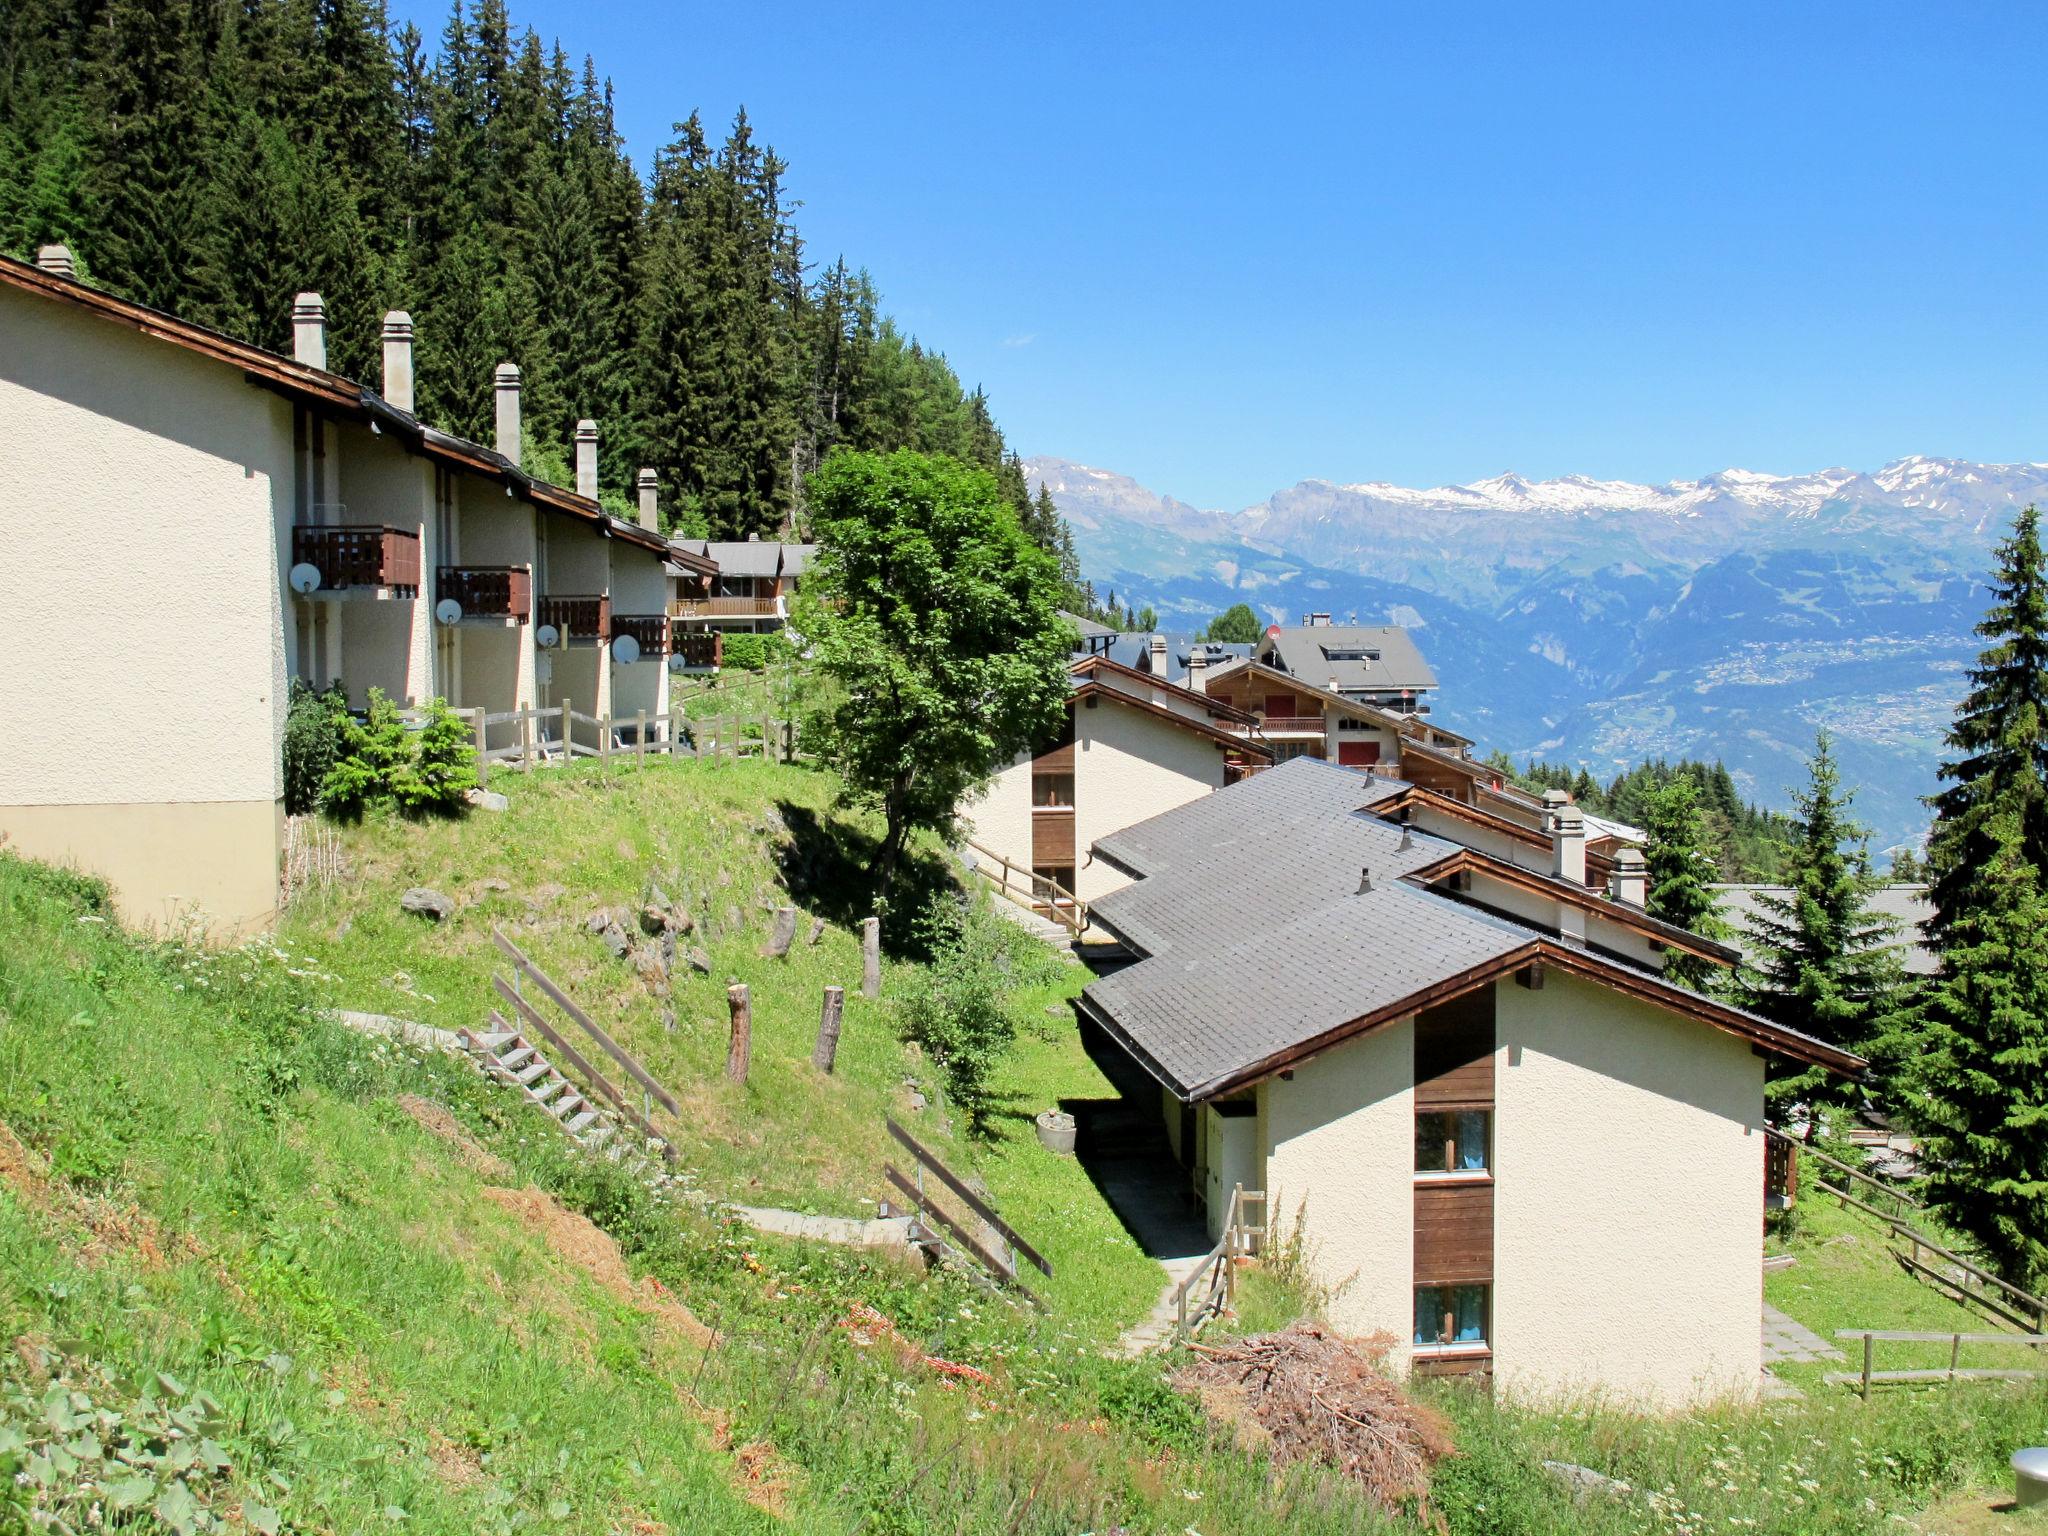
{"points": [[1090, 665], [1586, 900], [1093, 689], [1416, 794], [1574, 962], [1403, 726], [316, 386]]}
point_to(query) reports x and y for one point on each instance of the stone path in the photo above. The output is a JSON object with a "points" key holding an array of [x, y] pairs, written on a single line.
{"points": [[1787, 1339], [1146, 1193]]}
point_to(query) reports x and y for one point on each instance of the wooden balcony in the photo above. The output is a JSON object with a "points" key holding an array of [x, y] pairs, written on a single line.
{"points": [[1293, 725], [488, 591], [580, 620], [698, 650], [359, 555], [649, 629], [726, 608]]}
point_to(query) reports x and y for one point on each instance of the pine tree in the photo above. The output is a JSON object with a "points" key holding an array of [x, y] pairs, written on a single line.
{"points": [[1823, 961], [1680, 872], [1976, 1051], [2000, 735]]}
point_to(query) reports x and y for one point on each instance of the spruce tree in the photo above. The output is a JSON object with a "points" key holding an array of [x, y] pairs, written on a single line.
{"points": [[1680, 874], [1823, 961]]}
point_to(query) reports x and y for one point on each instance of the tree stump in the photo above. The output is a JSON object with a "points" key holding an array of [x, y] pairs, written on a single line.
{"points": [[827, 1049], [783, 934], [817, 932]]}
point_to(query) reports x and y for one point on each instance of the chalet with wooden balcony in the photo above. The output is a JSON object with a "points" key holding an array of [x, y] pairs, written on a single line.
{"points": [[1465, 1088], [1373, 664], [281, 522], [747, 588]]}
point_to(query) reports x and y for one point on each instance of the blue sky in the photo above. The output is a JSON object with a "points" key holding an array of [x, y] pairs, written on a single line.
{"points": [[1222, 249]]}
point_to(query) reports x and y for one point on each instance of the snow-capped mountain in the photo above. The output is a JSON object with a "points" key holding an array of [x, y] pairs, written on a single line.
{"points": [[1605, 621]]}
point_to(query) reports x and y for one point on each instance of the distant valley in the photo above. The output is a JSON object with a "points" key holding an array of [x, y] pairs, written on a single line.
{"points": [[1602, 622]]}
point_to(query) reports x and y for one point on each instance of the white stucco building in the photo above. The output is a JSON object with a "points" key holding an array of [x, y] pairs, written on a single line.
{"points": [[1500, 1134], [191, 522]]}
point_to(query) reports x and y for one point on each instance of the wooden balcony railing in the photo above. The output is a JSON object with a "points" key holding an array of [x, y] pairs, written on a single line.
{"points": [[1293, 723], [488, 591], [581, 619], [726, 608], [358, 555], [649, 629], [698, 649]]}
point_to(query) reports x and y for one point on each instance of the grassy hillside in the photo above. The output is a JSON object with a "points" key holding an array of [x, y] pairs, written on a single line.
{"points": [[332, 1284]]}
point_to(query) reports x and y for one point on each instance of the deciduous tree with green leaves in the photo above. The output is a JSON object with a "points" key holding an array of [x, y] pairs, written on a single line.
{"points": [[1680, 875], [1235, 625], [1823, 961], [1976, 1050], [937, 617]]}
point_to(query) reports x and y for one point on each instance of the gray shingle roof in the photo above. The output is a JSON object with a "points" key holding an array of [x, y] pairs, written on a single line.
{"points": [[1256, 936], [754, 558], [1906, 905], [1304, 652]]}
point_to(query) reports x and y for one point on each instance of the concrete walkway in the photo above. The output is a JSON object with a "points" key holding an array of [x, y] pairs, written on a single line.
{"points": [[1788, 1339], [1146, 1191]]}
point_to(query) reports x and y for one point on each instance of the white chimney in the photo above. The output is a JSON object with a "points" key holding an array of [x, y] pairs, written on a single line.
{"points": [[508, 411], [56, 259], [398, 360], [1554, 800], [586, 458], [650, 500], [1156, 657], [1631, 878], [1568, 844], [309, 330], [1198, 669]]}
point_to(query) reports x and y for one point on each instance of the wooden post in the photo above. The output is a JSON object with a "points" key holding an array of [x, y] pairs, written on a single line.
{"points": [[740, 1056], [568, 732], [526, 735], [784, 934], [826, 1051], [1869, 1344], [817, 932], [871, 957], [640, 742], [483, 768], [604, 742], [767, 741], [1955, 1353]]}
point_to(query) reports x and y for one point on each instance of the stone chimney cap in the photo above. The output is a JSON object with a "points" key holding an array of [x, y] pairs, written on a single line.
{"points": [[56, 259], [1557, 797], [648, 477], [1570, 819], [1629, 857], [507, 376], [398, 323], [586, 429]]}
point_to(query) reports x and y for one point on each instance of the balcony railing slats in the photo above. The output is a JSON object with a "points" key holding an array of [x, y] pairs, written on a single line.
{"points": [[726, 608], [579, 617], [488, 591], [698, 648], [358, 555]]}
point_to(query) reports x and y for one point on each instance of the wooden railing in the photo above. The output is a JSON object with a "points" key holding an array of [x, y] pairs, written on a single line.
{"points": [[1003, 1268], [1046, 897], [488, 591], [584, 617], [358, 555], [1274, 723], [1978, 1287], [697, 648], [1213, 1284], [726, 608], [651, 630], [1866, 1378]]}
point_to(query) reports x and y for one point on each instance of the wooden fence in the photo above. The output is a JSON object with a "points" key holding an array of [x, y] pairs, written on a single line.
{"points": [[1867, 1377], [1003, 1268], [563, 733], [1969, 1282], [1036, 893], [1213, 1283]]}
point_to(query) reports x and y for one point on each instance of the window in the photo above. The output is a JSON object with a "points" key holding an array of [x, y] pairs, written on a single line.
{"points": [[1052, 791], [1450, 1315], [1452, 1141]]}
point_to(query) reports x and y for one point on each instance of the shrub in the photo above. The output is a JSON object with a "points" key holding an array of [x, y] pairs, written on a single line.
{"points": [[757, 653], [958, 1009], [312, 741], [442, 766]]}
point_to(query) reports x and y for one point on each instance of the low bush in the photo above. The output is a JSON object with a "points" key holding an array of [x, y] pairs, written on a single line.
{"points": [[756, 653], [442, 768], [379, 759], [312, 741]]}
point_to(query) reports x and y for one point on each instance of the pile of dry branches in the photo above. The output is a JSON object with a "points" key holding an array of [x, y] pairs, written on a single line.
{"points": [[1307, 1395]]}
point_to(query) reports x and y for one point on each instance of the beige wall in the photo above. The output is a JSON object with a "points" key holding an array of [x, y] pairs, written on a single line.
{"points": [[147, 495], [1128, 766], [1500, 845], [1543, 910], [1340, 1159], [386, 642], [1000, 817], [1628, 1206]]}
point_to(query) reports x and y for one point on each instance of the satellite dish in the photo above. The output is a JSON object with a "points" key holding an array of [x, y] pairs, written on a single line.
{"points": [[546, 636], [448, 611], [677, 663], [305, 578], [626, 649]]}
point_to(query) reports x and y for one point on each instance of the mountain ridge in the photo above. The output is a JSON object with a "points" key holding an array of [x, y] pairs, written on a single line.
{"points": [[1604, 621]]}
